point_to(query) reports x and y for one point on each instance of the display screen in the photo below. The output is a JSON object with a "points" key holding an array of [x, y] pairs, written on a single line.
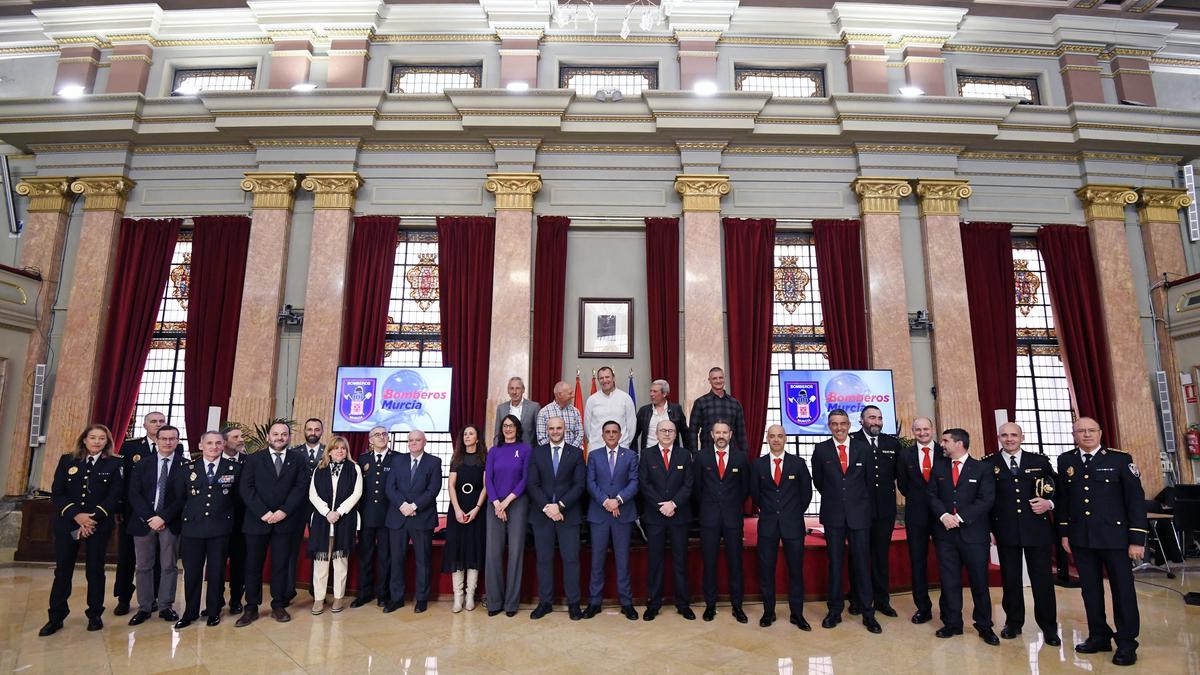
{"points": [[397, 398], [807, 396]]}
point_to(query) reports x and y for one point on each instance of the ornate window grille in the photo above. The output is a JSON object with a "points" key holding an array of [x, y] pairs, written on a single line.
{"points": [[788, 82], [990, 86], [418, 79], [587, 80], [196, 80]]}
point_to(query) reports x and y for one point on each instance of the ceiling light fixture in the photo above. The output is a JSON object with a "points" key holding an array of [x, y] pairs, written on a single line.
{"points": [[705, 88], [518, 86], [304, 86], [912, 92], [72, 91]]}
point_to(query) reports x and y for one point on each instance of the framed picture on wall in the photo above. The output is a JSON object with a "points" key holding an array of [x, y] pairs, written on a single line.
{"points": [[606, 328]]}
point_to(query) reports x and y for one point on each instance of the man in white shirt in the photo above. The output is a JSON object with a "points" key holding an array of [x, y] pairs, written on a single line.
{"points": [[313, 450], [915, 472], [607, 404]]}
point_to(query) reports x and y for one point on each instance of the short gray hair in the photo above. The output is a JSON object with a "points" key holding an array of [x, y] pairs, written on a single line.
{"points": [[662, 384]]}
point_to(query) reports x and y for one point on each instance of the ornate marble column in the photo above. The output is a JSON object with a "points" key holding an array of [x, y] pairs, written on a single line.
{"points": [[1158, 215], [324, 295], [703, 282], [887, 306], [253, 399], [946, 284], [1104, 210], [41, 249], [83, 332], [512, 284]]}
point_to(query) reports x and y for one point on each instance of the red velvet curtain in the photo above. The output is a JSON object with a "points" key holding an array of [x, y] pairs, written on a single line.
{"points": [[549, 306], [143, 261], [843, 301], [466, 245], [1079, 322], [662, 295], [218, 272], [991, 296], [749, 278], [369, 284]]}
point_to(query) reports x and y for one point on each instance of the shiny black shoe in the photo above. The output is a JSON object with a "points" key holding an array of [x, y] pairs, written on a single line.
{"points": [[541, 610], [139, 618], [799, 622], [213, 619], [183, 623], [1052, 640], [573, 612], [421, 606], [392, 606], [651, 612], [50, 628], [855, 609], [361, 600], [710, 612], [831, 619], [122, 608], [235, 608], [494, 612], [739, 615], [95, 624], [922, 617], [886, 610], [629, 612], [686, 612], [1010, 632], [766, 621], [988, 636], [1093, 645], [1124, 657], [511, 614], [872, 625], [591, 611], [168, 615], [947, 631]]}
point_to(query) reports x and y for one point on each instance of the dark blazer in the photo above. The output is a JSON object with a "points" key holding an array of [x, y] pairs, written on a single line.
{"points": [[781, 507], [143, 483], [79, 489], [642, 432], [845, 499], [1104, 505], [529, 413], [722, 500], [207, 510], [374, 505], [1013, 522], [421, 490], [132, 452], [885, 474], [565, 488], [911, 482], [263, 491], [603, 484], [970, 500], [657, 484]]}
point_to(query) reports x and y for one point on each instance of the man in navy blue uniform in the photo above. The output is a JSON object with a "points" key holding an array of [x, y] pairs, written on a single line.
{"points": [[842, 473], [722, 483], [914, 474], [235, 451], [155, 532], [612, 483], [781, 488], [885, 451], [205, 501], [412, 488], [1102, 520], [665, 482], [376, 464], [272, 485], [961, 493], [557, 482]]}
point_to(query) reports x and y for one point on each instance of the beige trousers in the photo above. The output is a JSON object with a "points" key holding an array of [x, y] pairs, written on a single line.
{"points": [[320, 581]]}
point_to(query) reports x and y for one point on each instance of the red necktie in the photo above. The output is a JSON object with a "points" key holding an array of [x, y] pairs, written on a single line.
{"points": [[954, 472], [778, 470], [667, 458], [721, 464], [845, 460], [926, 466]]}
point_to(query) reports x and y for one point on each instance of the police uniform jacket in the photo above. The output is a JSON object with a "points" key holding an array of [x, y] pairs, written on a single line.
{"points": [[80, 488], [885, 472], [1013, 522], [1101, 505], [207, 509], [374, 503]]}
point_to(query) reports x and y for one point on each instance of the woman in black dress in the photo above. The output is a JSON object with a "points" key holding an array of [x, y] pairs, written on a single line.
{"points": [[465, 529]]}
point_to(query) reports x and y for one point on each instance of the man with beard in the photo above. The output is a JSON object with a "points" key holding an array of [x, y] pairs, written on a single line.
{"points": [[313, 450], [723, 478], [235, 451], [885, 450]]}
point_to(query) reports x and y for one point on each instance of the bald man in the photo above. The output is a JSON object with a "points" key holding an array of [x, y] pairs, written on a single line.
{"points": [[916, 467], [412, 488]]}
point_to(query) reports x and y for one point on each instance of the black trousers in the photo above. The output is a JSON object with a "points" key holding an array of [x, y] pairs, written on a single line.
{"points": [[1092, 563], [127, 566], [237, 568], [545, 536], [297, 542], [198, 555], [793, 555], [422, 543], [710, 547], [657, 536], [66, 551], [953, 555], [879, 544], [372, 543], [860, 571], [1041, 580], [283, 547], [919, 537]]}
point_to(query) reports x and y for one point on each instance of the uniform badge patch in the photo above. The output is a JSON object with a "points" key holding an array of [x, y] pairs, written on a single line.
{"points": [[366, 467], [137, 458], [1134, 470], [72, 471], [193, 476], [997, 471], [1070, 471]]}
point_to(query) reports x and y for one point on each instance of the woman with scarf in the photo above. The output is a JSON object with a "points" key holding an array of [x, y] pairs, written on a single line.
{"points": [[334, 491]]}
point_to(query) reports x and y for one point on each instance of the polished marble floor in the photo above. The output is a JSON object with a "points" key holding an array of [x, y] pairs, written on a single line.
{"points": [[365, 640]]}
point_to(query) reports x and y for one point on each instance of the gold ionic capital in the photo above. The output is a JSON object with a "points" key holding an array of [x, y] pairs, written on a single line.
{"points": [[880, 195], [271, 190], [941, 197], [46, 194], [103, 193], [1160, 205], [702, 192], [1105, 202], [514, 191], [332, 190]]}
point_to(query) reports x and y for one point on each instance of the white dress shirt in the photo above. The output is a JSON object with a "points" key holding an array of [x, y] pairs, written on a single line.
{"points": [[600, 408]]}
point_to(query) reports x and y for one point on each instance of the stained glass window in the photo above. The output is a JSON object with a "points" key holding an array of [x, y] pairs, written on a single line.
{"points": [[413, 79], [989, 86], [195, 80], [631, 81], [789, 82]]}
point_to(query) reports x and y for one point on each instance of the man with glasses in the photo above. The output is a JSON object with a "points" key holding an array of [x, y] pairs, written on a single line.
{"points": [[376, 464]]}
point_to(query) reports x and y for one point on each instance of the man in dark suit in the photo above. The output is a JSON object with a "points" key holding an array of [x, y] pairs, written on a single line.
{"points": [[556, 483], [1102, 521], [235, 451], [205, 500], [915, 471], [373, 545], [154, 530], [723, 478], [665, 480], [272, 485], [781, 489], [412, 488], [313, 450], [612, 482], [961, 493], [1023, 528], [520, 407], [885, 451], [842, 473], [645, 434]]}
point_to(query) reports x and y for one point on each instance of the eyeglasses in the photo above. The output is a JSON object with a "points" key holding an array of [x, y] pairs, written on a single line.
{"points": [[378, 434], [1092, 430]]}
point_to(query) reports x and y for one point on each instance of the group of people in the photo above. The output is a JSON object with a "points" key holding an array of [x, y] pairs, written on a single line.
{"points": [[646, 467]]}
